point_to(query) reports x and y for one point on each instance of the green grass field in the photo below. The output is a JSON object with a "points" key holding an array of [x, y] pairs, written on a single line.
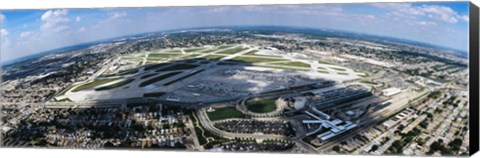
{"points": [[115, 85], [261, 106], [157, 56], [190, 56], [323, 72], [203, 134], [224, 46], [323, 62], [342, 73], [363, 75], [174, 51], [158, 78], [338, 69], [254, 60], [294, 63], [213, 57], [94, 84], [232, 51], [225, 113], [254, 53], [193, 50], [251, 52]]}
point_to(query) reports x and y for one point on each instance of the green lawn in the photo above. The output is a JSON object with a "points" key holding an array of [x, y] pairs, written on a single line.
{"points": [[156, 56], [190, 56], [251, 52], [128, 72], [294, 63], [150, 59], [94, 84], [158, 78], [261, 106], [225, 113], [203, 134], [324, 72], [323, 62], [338, 69], [232, 51], [363, 75], [193, 50], [174, 51], [254, 60], [254, 53], [213, 57], [224, 46], [115, 85]]}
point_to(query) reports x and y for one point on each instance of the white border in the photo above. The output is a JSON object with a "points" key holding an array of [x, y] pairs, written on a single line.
{"points": [[48, 4], [71, 153]]}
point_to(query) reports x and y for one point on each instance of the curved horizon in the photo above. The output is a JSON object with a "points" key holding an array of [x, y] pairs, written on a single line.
{"points": [[30, 32]]}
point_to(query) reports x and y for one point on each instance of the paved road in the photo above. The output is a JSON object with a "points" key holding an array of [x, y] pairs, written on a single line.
{"points": [[196, 144], [206, 123]]}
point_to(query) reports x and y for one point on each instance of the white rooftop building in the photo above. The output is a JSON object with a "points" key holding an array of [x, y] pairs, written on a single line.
{"points": [[391, 91]]}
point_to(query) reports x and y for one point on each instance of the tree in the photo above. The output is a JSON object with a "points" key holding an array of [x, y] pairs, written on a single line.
{"points": [[336, 148], [374, 148]]}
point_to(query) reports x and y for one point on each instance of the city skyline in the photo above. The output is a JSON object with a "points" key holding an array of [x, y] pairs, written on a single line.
{"points": [[27, 32]]}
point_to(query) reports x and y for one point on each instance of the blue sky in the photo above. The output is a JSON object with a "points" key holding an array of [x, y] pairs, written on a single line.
{"points": [[26, 32]]}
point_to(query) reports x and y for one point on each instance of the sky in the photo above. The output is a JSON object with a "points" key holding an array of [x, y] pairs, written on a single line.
{"points": [[27, 32]]}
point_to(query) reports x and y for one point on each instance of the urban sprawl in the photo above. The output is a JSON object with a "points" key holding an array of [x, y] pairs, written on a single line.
{"points": [[241, 89]]}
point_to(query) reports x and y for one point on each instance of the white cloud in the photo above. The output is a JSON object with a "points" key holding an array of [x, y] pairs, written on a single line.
{"points": [[2, 18], [5, 42], [55, 20], [117, 15], [440, 13], [78, 19], [83, 29], [25, 34], [112, 16], [283, 9], [433, 12], [3, 32], [465, 18]]}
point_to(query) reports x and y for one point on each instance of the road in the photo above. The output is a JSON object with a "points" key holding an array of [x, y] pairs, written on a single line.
{"points": [[207, 124], [196, 144]]}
